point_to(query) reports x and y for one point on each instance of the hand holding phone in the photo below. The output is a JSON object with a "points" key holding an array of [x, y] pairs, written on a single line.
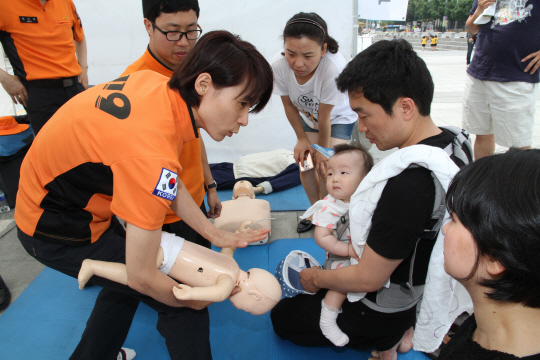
{"points": [[307, 164]]}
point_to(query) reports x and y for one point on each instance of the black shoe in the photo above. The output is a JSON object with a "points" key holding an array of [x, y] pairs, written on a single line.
{"points": [[5, 295], [303, 226]]}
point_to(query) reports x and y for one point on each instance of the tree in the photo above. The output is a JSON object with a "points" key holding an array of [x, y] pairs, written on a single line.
{"points": [[435, 9], [460, 10]]}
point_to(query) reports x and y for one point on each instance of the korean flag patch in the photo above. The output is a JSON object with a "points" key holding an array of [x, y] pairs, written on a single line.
{"points": [[167, 185]]}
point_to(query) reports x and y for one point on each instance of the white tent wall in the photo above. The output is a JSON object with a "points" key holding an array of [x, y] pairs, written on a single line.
{"points": [[116, 37]]}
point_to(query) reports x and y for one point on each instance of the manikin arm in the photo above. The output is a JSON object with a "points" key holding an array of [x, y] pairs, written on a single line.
{"points": [[141, 253], [215, 293], [326, 239]]}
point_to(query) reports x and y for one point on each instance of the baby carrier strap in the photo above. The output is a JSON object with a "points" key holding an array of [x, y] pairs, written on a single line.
{"points": [[343, 225], [404, 296], [456, 147]]}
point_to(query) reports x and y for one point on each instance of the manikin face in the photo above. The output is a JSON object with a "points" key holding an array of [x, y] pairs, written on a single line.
{"points": [[345, 172], [303, 56], [381, 129], [171, 53], [459, 249], [243, 187], [221, 111], [259, 292]]}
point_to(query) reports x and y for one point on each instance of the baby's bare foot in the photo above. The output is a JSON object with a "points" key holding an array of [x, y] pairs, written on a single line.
{"points": [[85, 273]]}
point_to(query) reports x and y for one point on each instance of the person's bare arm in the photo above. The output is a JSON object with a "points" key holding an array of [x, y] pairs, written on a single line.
{"points": [[142, 274], [214, 204], [324, 138], [184, 206], [325, 238], [81, 52], [370, 274], [216, 293], [472, 28], [302, 144], [13, 86]]}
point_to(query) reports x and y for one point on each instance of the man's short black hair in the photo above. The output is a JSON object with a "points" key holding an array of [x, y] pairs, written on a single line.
{"points": [[153, 8], [386, 71], [497, 198]]}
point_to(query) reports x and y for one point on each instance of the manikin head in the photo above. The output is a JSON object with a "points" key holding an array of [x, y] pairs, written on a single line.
{"points": [[243, 189], [259, 292], [346, 169], [171, 16]]}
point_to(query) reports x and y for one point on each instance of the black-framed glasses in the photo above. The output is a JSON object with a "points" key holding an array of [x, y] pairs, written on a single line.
{"points": [[177, 35]]}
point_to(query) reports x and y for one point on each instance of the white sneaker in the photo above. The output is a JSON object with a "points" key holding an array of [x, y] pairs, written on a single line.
{"points": [[126, 354]]}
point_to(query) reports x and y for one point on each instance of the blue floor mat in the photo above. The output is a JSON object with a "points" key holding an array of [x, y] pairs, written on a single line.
{"points": [[294, 199], [47, 320]]}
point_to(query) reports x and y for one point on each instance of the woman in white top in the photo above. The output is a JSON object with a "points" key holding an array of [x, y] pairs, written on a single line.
{"points": [[304, 77]]}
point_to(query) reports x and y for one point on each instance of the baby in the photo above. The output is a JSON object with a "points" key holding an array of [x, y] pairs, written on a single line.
{"points": [[206, 275], [346, 169]]}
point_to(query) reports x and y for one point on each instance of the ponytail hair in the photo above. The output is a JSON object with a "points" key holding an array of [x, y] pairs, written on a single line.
{"points": [[313, 27]]}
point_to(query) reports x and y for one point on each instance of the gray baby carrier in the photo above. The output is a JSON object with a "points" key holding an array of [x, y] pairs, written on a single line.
{"points": [[401, 297]]}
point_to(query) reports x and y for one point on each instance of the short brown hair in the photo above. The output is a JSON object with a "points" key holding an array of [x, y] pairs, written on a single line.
{"points": [[230, 61]]}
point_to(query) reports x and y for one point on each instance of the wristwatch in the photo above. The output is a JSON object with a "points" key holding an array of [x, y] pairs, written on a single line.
{"points": [[211, 186]]}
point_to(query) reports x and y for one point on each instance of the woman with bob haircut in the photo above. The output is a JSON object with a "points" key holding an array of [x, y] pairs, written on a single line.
{"points": [[226, 61], [113, 152], [305, 78], [492, 247]]}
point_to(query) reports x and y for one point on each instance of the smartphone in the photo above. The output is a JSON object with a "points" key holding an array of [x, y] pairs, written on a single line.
{"points": [[307, 163]]}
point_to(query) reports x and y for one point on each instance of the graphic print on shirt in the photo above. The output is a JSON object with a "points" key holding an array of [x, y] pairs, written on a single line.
{"points": [[509, 11], [167, 185], [308, 105]]}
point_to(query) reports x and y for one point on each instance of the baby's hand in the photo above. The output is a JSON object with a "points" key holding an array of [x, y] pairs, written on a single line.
{"points": [[183, 292], [244, 227]]}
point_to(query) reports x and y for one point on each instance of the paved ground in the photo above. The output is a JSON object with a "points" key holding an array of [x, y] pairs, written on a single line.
{"points": [[448, 70]]}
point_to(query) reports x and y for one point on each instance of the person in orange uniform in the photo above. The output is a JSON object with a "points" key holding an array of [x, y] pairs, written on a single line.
{"points": [[114, 150], [45, 43], [178, 18]]}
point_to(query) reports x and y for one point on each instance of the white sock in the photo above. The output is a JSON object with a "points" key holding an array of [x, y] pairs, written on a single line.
{"points": [[329, 326], [126, 354]]}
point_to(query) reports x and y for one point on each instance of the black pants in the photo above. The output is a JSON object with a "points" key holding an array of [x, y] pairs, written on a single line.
{"points": [[43, 103], [223, 174], [297, 319], [186, 331]]}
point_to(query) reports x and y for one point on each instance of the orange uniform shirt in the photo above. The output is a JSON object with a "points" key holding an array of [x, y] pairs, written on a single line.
{"points": [[190, 159], [38, 40], [113, 149]]}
